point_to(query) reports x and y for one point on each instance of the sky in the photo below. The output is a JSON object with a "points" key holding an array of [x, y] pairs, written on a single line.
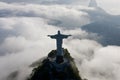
{"points": [[23, 36]]}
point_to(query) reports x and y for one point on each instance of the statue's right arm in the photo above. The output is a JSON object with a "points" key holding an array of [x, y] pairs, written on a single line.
{"points": [[52, 36], [48, 35]]}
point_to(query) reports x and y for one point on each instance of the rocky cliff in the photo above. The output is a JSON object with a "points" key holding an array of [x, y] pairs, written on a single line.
{"points": [[48, 69]]}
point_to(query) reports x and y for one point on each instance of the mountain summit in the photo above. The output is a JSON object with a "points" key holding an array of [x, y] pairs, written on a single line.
{"points": [[48, 69], [93, 3]]}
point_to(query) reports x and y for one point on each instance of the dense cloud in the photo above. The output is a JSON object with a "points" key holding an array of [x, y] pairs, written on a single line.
{"points": [[111, 6], [104, 65], [66, 16], [23, 39]]}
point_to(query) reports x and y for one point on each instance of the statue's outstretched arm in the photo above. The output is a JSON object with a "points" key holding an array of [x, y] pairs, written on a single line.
{"points": [[66, 36], [52, 36]]}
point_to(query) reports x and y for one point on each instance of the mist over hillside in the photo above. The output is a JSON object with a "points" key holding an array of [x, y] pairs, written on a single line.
{"points": [[23, 37]]}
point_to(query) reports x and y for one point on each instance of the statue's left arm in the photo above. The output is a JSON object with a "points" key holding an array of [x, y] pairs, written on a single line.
{"points": [[66, 36]]}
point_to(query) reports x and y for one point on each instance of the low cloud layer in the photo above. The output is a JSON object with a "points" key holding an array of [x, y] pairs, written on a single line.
{"points": [[23, 40], [111, 6], [63, 16], [104, 65], [28, 42]]}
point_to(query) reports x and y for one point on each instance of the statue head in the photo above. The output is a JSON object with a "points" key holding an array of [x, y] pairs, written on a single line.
{"points": [[58, 31]]}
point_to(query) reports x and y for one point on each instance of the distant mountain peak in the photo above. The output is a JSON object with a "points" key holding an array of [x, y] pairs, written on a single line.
{"points": [[93, 3]]}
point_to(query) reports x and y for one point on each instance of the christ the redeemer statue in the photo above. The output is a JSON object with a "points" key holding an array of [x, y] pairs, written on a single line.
{"points": [[59, 40]]}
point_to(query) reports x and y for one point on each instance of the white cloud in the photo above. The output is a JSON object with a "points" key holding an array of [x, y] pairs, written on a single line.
{"points": [[64, 16], [25, 46], [111, 6], [104, 65], [27, 42]]}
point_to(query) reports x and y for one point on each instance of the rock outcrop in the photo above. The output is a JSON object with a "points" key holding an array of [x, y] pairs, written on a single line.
{"points": [[48, 69]]}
